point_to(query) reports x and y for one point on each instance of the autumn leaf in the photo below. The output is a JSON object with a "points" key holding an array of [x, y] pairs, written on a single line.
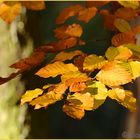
{"points": [[30, 95], [63, 56], [34, 5], [65, 31], [79, 61], [87, 14], [46, 99], [108, 19], [99, 92], [93, 62], [134, 48], [9, 13], [67, 13], [65, 43], [133, 67], [112, 74], [73, 111], [57, 68], [129, 4], [118, 53], [126, 13], [123, 38], [122, 25], [75, 76], [77, 103], [124, 97]]}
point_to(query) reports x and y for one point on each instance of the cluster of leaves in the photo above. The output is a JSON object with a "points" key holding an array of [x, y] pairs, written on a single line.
{"points": [[83, 91]]}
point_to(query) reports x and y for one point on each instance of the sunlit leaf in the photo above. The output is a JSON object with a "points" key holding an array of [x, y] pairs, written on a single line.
{"points": [[118, 53], [93, 62], [129, 4], [57, 68], [124, 97], [99, 91], [76, 76], [46, 99], [112, 74], [30, 95], [122, 25]]}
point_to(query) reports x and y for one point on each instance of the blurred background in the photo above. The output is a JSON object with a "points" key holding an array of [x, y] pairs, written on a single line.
{"points": [[30, 30]]}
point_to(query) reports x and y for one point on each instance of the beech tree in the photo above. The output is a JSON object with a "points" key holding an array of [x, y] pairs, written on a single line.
{"points": [[85, 80]]}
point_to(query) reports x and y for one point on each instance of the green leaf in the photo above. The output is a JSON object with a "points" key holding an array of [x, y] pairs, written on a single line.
{"points": [[93, 62]]}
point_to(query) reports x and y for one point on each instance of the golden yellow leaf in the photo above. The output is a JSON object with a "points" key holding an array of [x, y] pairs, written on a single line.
{"points": [[118, 53], [124, 97], [133, 67], [30, 95], [129, 4], [57, 68], [134, 48], [76, 76], [122, 25], [63, 56], [86, 99], [87, 14], [46, 99], [99, 92], [77, 86], [112, 74], [93, 62], [9, 13]]}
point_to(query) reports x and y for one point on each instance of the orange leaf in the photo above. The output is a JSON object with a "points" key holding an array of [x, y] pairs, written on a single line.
{"points": [[77, 86], [67, 13], [65, 31], [113, 74], [65, 43], [126, 13], [57, 68], [73, 111], [87, 14], [123, 38], [34, 5], [9, 13]]}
